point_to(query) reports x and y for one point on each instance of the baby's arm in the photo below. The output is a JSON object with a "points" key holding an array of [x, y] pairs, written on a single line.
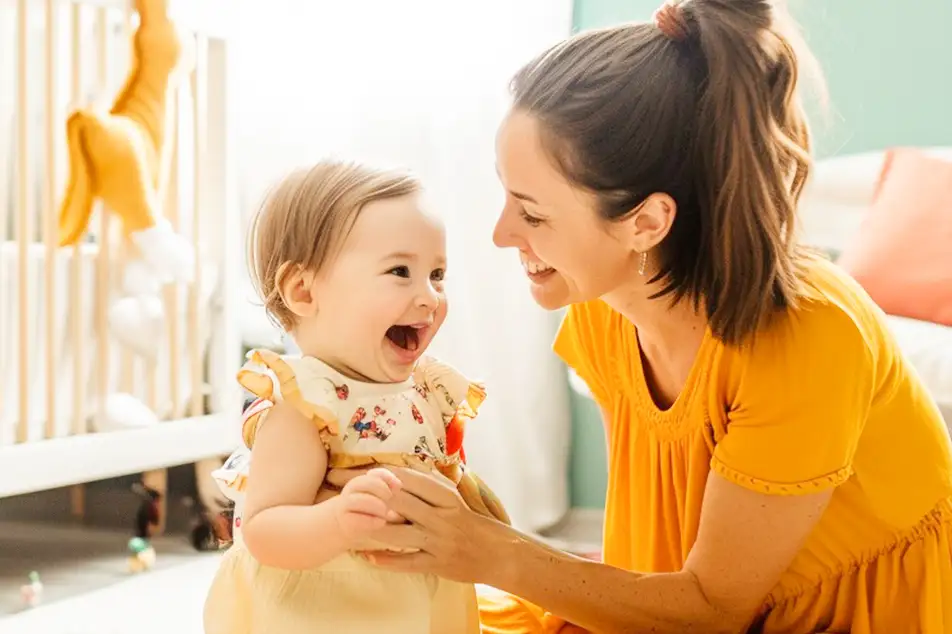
{"points": [[283, 527]]}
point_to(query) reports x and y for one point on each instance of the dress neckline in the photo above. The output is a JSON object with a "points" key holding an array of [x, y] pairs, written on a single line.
{"points": [[346, 386], [671, 416]]}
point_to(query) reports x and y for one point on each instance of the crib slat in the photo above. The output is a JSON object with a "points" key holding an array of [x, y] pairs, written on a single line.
{"points": [[50, 218], [103, 256], [24, 235], [76, 290], [127, 373], [200, 108], [171, 292]]}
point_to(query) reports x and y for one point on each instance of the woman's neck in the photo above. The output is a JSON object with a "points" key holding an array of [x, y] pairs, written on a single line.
{"points": [[661, 326], [669, 338]]}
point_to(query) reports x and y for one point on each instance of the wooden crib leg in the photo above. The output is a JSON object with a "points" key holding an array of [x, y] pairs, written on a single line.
{"points": [[77, 501], [159, 481]]}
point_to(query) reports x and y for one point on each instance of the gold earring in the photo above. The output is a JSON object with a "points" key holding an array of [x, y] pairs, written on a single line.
{"points": [[644, 261]]}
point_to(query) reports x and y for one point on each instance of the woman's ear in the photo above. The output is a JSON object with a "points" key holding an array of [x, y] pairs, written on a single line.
{"points": [[296, 285], [649, 223]]}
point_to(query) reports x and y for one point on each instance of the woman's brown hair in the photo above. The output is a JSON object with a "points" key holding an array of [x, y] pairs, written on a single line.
{"points": [[706, 110]]}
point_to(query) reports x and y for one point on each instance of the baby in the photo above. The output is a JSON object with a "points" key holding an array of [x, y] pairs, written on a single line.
{"points": [[350, 263]]}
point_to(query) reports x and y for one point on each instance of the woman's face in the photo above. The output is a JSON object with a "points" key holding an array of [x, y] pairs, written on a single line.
{"points": [[568, 252]]}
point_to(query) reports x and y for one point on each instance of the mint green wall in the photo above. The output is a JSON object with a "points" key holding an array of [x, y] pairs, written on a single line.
{"points": [[588, 469], [888, 68]]}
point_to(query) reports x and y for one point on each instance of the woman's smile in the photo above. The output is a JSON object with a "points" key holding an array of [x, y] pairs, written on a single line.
{"points": [[536, 270]]}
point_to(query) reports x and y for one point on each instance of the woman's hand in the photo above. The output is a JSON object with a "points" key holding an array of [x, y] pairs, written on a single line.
{"points": [[451, 540]]}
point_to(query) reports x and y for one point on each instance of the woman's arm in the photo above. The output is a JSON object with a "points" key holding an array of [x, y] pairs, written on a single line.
{"points": [[745, 541], [283, 527]]}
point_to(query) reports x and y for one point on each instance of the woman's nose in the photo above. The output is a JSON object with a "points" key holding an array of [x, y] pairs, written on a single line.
{"points": [[502, 233]]}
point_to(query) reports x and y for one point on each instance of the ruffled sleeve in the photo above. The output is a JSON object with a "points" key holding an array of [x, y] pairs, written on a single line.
{"points": [[458, 400], [456, 397], [270, 380], [232, 476]]}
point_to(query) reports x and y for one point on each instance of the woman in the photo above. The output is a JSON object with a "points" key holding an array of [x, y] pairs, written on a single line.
{"points": [[775, 464]]}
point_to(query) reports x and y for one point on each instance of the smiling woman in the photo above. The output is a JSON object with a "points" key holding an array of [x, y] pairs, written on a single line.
{"points": [[776, 465]]}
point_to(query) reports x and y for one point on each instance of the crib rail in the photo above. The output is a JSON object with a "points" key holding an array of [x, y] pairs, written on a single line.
{"points": [[59, 361]]}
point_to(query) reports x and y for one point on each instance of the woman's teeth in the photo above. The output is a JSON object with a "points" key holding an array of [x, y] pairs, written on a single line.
{"points": [[533, 268]]}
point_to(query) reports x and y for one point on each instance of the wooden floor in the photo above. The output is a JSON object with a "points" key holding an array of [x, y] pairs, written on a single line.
{"points": [[84, 567], [166, 601], [38, 533], [72, 560]]}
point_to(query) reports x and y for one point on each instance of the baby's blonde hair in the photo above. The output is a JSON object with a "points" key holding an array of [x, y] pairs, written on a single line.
{"points": [[304, 219]]}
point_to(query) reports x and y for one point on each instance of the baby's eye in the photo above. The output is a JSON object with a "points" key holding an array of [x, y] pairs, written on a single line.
{"points": [[437, 275], [400, 271]]}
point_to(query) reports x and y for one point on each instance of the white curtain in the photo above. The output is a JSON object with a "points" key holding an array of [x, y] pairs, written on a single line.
{"points": [[423, 83]]}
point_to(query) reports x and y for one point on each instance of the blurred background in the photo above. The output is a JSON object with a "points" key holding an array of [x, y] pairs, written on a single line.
{"points": [[117, 362]]}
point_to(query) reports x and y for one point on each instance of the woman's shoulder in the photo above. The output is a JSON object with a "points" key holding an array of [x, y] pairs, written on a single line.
{"points": [[595, 341], [832, 309], [834, 324], [590, 329], [592, 319]]}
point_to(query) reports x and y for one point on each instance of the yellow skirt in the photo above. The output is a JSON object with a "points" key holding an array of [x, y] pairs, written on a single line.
{"points": [[344, 595]]}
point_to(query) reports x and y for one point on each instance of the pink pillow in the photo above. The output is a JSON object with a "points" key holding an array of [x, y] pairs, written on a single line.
{"points": [[902, 253]]}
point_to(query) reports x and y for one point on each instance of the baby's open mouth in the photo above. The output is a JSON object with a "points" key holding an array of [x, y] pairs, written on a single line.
{"points": [[406, 337]]}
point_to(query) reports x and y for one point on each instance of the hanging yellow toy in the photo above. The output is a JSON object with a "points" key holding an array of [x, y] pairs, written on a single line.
{"points": [[122, 157]]}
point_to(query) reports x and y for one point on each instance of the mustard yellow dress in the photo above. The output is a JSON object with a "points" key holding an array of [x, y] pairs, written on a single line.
{"points": [[361, 424], [823, 399]]}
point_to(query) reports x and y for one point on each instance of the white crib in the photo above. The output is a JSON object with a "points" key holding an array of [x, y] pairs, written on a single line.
{"points": [[58, 359]]}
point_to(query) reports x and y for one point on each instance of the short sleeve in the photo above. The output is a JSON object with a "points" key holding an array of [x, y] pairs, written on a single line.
{"points": [[456, 397], [272, 380], [582, 343], [803, 390], [447, 388]]}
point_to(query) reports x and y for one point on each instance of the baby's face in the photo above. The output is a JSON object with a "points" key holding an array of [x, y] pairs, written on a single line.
{"points": [[380, 301]]}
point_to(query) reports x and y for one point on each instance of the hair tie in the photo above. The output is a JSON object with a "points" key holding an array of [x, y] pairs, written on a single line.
{"points": [[670, 21]]}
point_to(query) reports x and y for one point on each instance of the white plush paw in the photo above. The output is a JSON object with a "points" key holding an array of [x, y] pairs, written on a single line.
{"points": [[124, 411], [139, 279], [139, 323], [169, 255]]}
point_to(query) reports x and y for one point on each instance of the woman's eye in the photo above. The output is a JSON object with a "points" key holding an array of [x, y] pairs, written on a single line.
{"points": [[437, 275], [400, 271], [532, 221]]}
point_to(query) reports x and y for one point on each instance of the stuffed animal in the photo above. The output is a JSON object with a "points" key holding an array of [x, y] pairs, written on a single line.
{"points": [[141, 555], [32, 593], [149, 514], [148, 518], [123, 158]]}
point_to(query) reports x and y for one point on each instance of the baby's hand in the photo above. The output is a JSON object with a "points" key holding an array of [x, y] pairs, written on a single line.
{"points": [[363, 501]]}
